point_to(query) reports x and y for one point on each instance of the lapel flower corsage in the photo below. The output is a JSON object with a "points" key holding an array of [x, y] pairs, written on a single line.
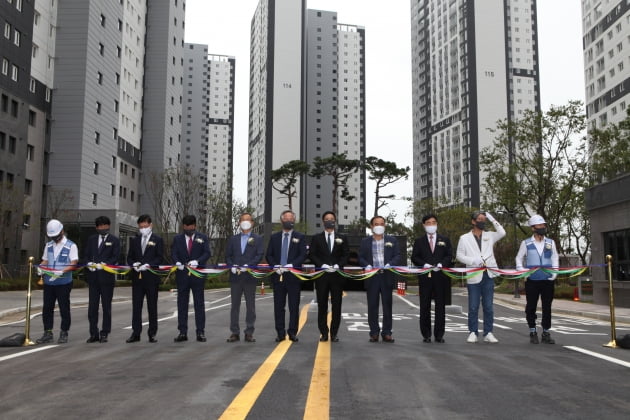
{"points": [[389, 244], [150, 243], [338, 240], [199, 240], [441, 243], [250, 241], [108, 244], [547, 246], [295, 240]]}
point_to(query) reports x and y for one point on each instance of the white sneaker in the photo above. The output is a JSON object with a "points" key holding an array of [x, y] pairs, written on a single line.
{"points": [[490, 338], [472, 338]]}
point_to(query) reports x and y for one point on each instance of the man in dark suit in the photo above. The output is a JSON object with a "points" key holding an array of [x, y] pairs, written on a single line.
{"points": [[432, 251], [243, 250], [379, 251], [102, 249], [145, 251], [286, 249], [329, 251], [193, 248]]}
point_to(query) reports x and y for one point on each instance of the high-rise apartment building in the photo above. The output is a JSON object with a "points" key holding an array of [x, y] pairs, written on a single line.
{"points": [[606, 41], [208, 116], [307, 100], [275, 102], [335, 112], [473, 63]]}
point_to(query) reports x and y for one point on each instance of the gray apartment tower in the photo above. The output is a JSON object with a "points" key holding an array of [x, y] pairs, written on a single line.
{"points": [[307, 99], [473, 63], [208, 116]]}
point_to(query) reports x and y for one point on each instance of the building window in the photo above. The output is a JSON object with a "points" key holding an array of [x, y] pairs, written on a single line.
{"points": [[98, 107], [48, 94], [30, 152], [5, 66], [28, 187], [14, 72], [32, 116], [101, 49], [7, 30], [94, 199], [14, 108], [17, 37], [12, 144], [102, 20], [95, 168], [617, 244], [99, 77]]}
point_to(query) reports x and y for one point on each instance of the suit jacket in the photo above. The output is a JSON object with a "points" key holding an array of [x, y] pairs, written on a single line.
{"points": [[153, 254], [200, 250], [108, 254], [391, 256], [320, 253], [442, 251], [253, 252], [297, 249], [468, 250]]}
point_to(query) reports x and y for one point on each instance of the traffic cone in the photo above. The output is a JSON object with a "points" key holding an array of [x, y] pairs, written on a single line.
{"points": [[262, 288], [576, 294]]}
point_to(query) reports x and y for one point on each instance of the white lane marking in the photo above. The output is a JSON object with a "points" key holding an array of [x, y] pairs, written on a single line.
{"points": [[24, 353], [408, 302], [599, 356]]}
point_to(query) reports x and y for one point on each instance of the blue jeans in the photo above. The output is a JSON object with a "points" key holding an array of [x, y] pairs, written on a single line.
{"points": [[485, 292]]}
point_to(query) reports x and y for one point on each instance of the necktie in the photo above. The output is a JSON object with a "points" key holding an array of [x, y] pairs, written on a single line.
{"points": [[101, 245], [431, 242], [189, 239], [329, 243], [285, 249], [144, 243]]}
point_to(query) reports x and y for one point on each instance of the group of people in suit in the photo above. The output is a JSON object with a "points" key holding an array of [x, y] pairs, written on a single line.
{"points": [[287, 249]]}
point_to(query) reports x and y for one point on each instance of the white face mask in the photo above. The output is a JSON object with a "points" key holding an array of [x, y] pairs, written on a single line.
{"points": [[431, 229], [145, 231], [378, 230], [246, 225]]}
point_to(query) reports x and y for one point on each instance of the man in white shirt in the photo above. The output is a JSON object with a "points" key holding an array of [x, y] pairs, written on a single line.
{"points": [[476, 249]]}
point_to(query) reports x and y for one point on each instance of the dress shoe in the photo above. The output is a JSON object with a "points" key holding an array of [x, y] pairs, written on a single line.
{"points": [[103, 338], [201, 337], [280, 338], [374, 338], [133, 338], [93, 339], [152, 339], [426, 340], [233, 338], [250, 338], [63, 337], [293, 338], [323, 338], [180, 338], [440, 340], [388, 339], [334, 338]]}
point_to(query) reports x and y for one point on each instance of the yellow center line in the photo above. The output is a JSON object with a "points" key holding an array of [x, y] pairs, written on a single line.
{"points": [[246, 398], [318, 400]]}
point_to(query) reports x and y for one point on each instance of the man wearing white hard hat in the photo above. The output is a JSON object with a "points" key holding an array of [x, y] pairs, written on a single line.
{"points": [[538, 252], [60, 257]]}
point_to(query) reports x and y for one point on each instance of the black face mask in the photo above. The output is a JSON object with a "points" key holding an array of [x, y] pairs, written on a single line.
{"points": [[541, 231], [189, 232], [56, 238], [287, 225], [480, 225], [102, 232], [329, 224]]}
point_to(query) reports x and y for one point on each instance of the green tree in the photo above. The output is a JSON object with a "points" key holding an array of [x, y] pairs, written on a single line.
{"points": [[383, 173], [546, 172], [339, 168], [286, 177], [611, 150]]}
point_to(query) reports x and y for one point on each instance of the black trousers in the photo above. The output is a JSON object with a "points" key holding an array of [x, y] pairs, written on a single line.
{"points": [[146, 286], [185, 284], [534, 289], [287, 289], [329, 284], [60, 294], [101, 291], [434, 287]]}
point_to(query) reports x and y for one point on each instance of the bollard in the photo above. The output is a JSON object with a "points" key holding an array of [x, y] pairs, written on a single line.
{"points": [[262, 288]]}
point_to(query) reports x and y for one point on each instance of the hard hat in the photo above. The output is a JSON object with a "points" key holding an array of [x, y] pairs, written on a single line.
{"points": [[536, 220], [53, 228]]}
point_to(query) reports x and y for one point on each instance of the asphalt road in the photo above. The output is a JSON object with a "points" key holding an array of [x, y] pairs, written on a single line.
{"points": [[351, 379]]}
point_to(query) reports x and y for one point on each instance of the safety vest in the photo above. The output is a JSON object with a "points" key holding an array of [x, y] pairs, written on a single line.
{"points": [[61, 262], [534, 259]]}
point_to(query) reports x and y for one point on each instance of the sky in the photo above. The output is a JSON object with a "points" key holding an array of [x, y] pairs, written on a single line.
{"points": [[225, 27]]}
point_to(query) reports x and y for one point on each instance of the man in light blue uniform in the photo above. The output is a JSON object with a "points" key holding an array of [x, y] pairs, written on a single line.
{"points": [[61, 255], [538, 251]]}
